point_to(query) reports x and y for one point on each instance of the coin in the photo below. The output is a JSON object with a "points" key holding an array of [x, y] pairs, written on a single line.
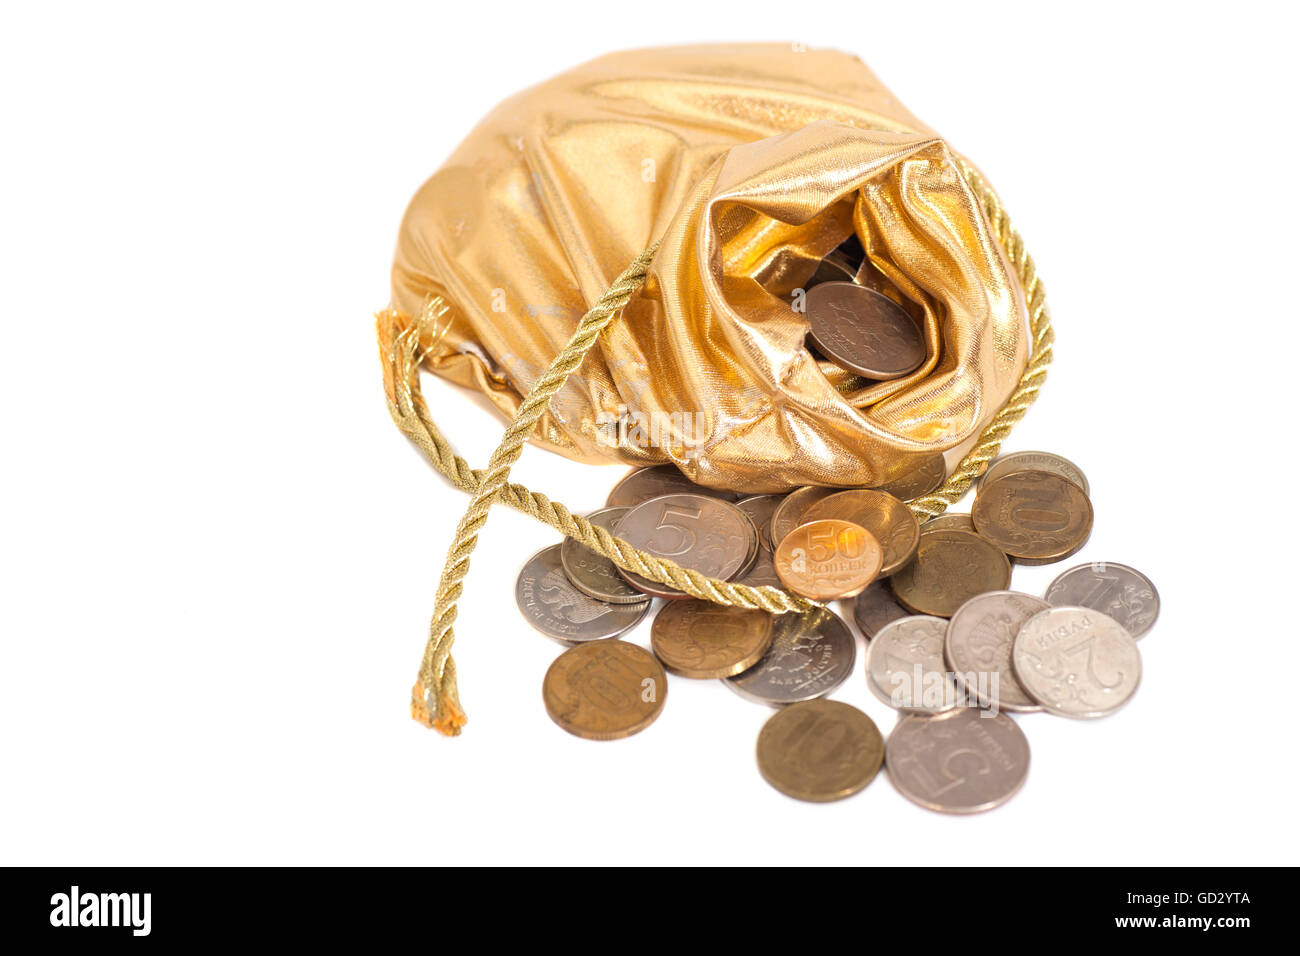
{"points": [[886, 518], [555, 607], [863, 331], [959, 762], [919, 481], [1034, 516], [828, 559], [646, 483], [978, 647], [811, 654], [760, 509], [830, 269], [594, 574], [949, 569], [1034, 461], [875, 607], [702, 639], [703, 534], [1116, 590], [763, 572], [1076, 662], [819, 750], [604, 690], [905, 666], [952, 520], [789, 513]]}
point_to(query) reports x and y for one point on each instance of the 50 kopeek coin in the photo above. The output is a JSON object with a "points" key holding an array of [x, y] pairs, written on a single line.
{"points": [[819, 750], [550, 602], [1118, 591], [604, 690], [828, 559], [1077, 662]]}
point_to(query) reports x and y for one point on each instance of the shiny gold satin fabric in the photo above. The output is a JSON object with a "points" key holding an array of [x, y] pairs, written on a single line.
{"points": [[750, 163]]}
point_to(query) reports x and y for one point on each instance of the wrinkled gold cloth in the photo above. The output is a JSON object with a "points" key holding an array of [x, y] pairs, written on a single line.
{"points": [[751, 163]]}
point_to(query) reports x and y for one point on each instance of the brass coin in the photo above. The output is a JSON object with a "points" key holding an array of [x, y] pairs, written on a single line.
{"points": [[864, 331], [594, 574], [704, 534], [604, 690], [828, 559], [704, 640], [789, 513], [875, 607], [760, 509], [886, 518], [919, 481], [820, 750], [646, 483], [948, 521], [1033, 461], [949, 569], [1034, 516]]}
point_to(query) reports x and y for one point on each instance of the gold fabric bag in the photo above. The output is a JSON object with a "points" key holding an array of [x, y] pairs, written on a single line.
{"points": [[724, 174]]}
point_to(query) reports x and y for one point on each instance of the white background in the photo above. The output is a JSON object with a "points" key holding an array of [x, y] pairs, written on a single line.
{"points": [[219, 555]]}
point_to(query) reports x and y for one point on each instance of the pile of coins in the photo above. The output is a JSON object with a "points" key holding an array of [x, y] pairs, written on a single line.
{"points": [[950, 647]]}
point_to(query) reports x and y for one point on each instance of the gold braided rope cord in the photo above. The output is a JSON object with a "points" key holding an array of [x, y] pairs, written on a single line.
{"points": [[435, 700]]}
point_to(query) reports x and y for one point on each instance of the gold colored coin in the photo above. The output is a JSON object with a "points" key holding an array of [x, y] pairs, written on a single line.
{"points": [[920, 481], [828, 559], [789, 513], [949, 569], [947, 521], [705, 640], [1037, 517], [886, 518], [604, 690], [820, 750]]}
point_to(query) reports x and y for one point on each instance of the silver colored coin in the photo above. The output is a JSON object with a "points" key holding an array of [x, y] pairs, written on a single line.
{"points": [[811, 655], [703, 534], [905, 666], [1076, 662], [875, 607], [646, 483], [1033, 461], [1116, 590], [594, 574], [963, 761], [978, 645], [555, 607], [760, 509]]}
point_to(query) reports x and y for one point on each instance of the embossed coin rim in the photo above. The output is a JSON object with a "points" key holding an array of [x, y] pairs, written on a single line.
{"points": [[849, 641], [654, 588], [893, 580], [806, 586], [880, 692], [873, 299], [569, 545], [991, 532], [893, 510]]}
